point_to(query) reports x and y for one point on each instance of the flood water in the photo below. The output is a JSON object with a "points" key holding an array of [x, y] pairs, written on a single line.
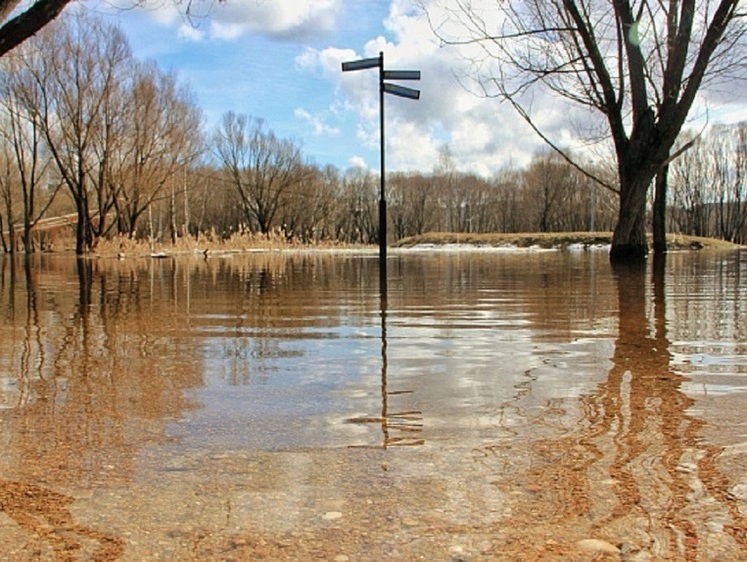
{"points": [[281, 406]]}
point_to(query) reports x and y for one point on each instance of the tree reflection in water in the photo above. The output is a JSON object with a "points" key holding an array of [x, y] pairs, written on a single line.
{"points": [[90, 391], [643, 409], [552, 409], [636, 473]]}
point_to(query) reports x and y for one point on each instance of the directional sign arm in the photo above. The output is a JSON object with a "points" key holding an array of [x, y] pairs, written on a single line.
{"points": [[362, 64], [401, 75], [401, 91]]}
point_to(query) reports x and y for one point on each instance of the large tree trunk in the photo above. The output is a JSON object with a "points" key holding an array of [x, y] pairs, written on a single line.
{"points": [[28, 246], [80, 232], [660, 211], [26, 23], [83, 230], [629, 239]]}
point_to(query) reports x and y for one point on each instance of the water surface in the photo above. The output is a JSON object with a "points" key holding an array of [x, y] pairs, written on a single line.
{"points": [[486, 405]]}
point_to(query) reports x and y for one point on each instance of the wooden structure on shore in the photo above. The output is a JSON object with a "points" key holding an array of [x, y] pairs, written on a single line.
{"points": [[46, 231]]}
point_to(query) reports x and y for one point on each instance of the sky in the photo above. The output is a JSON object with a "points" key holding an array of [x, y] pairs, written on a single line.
{"points": [[280, 61]]}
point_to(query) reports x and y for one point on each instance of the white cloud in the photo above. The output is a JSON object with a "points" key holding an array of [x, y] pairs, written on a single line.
{"points": [[280, 19], [316, 123], [190, 33], [326, 62], [410, 147], [483, 134], [285, 20], [358, 162]]}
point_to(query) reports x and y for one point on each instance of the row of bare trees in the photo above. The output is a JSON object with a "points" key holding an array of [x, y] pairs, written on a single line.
{"points": [[709, 187], [262, 184], [308, 203], [82, 115], [88, 130]]}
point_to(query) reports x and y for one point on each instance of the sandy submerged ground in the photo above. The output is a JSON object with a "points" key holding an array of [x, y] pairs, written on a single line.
{"points": [[543, 491], [353, 505]]}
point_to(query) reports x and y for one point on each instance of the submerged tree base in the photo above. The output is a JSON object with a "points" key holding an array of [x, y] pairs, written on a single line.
{"points": [[628, 252]]}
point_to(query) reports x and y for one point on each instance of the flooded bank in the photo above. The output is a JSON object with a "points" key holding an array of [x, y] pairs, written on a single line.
{"points": [[487, 406]]}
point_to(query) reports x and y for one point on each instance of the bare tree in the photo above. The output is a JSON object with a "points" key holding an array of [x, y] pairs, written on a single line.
{"points": [[546, 186], [309, 207], [693, 195], [157, 135], [730, 181], [413, 206], [638, 64], [507, 186], [445, 189], [8, 188], [17, 26], [475, 196], [710, 185], [262, 167], [215, 205], [359, 222], [23, 134], [77, 67], [557, 196]]}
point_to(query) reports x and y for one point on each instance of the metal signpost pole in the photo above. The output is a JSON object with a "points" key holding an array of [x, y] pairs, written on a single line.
{"points": [[382, 195], [401, 91]]}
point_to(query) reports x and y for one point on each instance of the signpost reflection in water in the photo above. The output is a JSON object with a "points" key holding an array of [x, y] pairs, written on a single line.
{"points": [[220, 407], [398, 428]]}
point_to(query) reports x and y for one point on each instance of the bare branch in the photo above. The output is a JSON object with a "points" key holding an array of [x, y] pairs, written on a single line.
{"points": [[28, 23], [560, 151]]}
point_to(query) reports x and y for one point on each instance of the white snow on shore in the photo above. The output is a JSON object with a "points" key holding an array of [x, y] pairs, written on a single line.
{"points": [[507, 248]]}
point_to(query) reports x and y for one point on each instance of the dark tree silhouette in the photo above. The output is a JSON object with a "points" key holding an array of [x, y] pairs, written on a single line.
{"points": [[639, 65], [16, 28]]}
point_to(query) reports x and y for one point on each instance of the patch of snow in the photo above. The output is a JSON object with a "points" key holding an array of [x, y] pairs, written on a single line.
{"points": [[473, 248], [579, 247]]}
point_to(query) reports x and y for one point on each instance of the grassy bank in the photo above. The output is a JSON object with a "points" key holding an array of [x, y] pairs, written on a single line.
{"points": [[554, 240], [249, 242], [206, 244]]}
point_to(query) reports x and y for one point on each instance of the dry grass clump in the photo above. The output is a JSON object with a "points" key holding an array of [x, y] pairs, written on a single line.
{"points": [[207, 243], [519, 240]]}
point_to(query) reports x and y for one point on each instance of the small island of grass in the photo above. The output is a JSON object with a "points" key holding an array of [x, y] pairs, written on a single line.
{"points": [[553, 240]]}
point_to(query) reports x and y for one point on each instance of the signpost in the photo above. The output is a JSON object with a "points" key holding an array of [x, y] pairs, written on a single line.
{"points": [[397, 90]]}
